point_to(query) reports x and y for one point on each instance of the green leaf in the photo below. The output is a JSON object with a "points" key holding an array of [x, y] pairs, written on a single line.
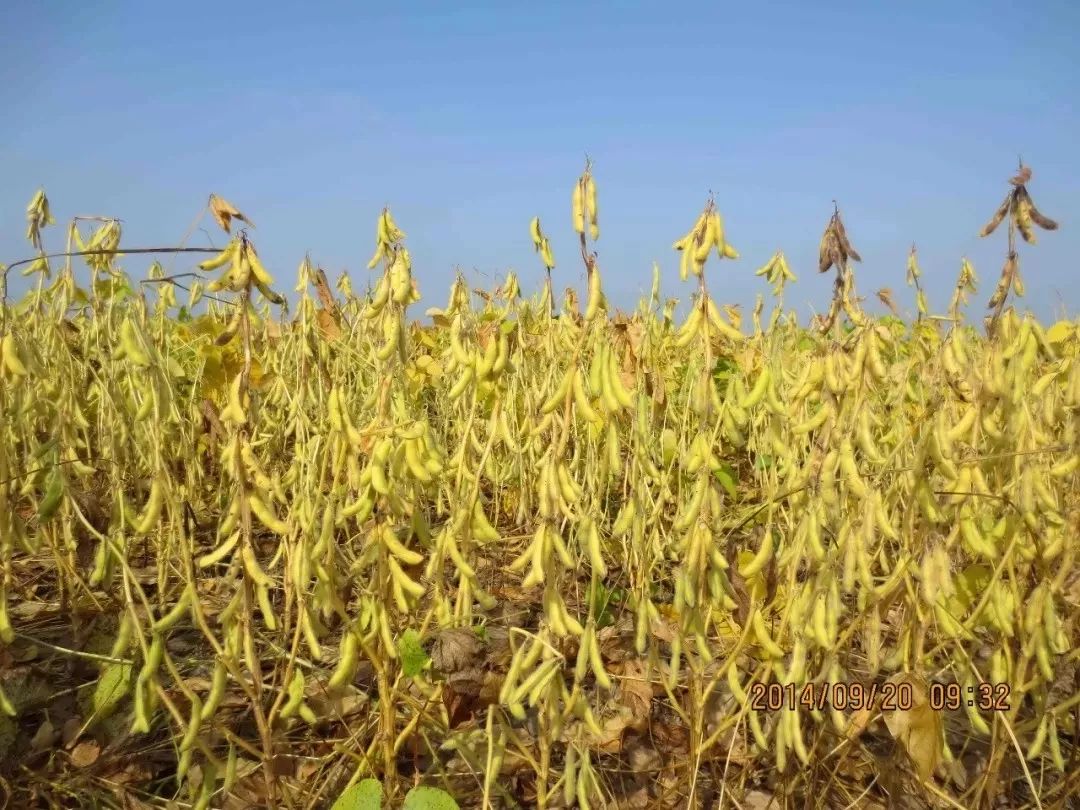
{"points": [[175, 369], [365, 795], [114, 288], [727, 478], [113, 684], [414, 659], [54, 494], [970, 585], [429, 798], [763, 462], [46, 447], [723, 369]]}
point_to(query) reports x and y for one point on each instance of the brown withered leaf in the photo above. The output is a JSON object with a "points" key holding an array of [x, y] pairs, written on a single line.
{"points": [[760, 800], [454, 649], [85, 754], [328, 325], [635, 338], [636, 693], [612, 728], [326, 297], [131, 773], [224, 212], [1022, 176], [640, 798], [616, 640], [469, 691], [885, 296], [998, 216]]}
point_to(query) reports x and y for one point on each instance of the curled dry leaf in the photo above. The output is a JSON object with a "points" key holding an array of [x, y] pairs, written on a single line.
{"points": [[885, 296], [224, 212], [1022, 176]]}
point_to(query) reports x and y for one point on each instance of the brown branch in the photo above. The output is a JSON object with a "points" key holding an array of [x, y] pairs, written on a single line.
{"points": [[112, 252]]}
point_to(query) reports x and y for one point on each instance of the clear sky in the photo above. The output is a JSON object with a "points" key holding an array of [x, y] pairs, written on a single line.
{"points": [[470, 118]]}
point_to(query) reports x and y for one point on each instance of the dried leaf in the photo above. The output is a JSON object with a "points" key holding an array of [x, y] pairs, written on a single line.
{"points": [[1022, 176], [612, 728], [885, 296], [636, 693], [85, 754], [917, 726], [326, 297], [640, 798], [454, 649], [328, 325], [224, 212], [759, 800]]}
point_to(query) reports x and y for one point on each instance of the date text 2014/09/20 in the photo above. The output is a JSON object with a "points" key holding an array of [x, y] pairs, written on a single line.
{"points": [[775, 697]]}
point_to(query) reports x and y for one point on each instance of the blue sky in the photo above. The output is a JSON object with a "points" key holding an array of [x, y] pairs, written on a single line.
{"points": [[470, 118]]}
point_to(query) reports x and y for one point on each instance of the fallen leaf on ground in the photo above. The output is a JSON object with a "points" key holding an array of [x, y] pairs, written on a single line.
{"points": [[454, 649], [85, 754], [636, 692]]}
